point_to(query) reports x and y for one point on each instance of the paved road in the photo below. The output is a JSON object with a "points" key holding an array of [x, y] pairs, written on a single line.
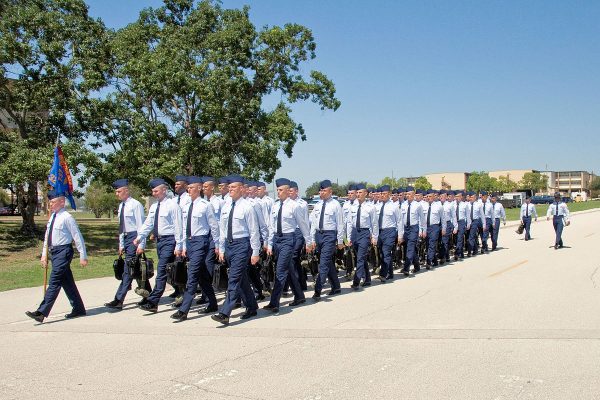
{"points": [[521, 323]]}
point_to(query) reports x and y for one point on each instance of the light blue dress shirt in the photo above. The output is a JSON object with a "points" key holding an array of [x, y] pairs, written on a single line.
{"points": [[416, 215], [217, 203], [498, 212], [476, 209], [487, 208], [436, 216], [292, 217], [392, 217], [563, 210], [203, 221], [133, 217], [369, 218], [169, 222], [64, 231], [450, 212], [333, 219], [244, 224], [259, 209], [528, 208]]}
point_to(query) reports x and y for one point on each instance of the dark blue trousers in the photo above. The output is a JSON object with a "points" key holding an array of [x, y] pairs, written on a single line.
{"points": [[198, 248], [411, 238], [361, 242], [433, 234], [61, 276], [473, 231], [326, 242], [486, 234], [237, 254], [164, 248], [494, 230], [283, 249], [527, 222], [299, 244], [558, 223], [386, 243], [127, 279], [445, 249], [460, 238]]}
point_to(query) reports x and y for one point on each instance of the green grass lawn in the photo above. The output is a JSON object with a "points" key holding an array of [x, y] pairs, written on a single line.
{"points": [[19, 255], [513, 213]]}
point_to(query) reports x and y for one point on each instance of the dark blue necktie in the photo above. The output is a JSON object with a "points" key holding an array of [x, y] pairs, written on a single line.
{"points": [[527, 210], [230, 223], [358, 217], [322, 215], [556, 209], [428, 214], [189, 220], [408, 215], [122, 219], [50, 230], [381, 216], [279, 228], [155, 228]]}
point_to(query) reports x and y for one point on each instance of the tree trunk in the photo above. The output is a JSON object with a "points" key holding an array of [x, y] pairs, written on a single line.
{"points": [[27, 202]]}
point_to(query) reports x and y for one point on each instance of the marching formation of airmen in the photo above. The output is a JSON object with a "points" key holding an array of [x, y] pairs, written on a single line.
{"points": [[232, 224]]}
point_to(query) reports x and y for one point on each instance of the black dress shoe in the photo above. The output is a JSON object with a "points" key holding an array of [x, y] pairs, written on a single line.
{"points": [[333, 292], [428, 266], [285, 293], [115, 305], [389, 278], [149, 307], [406, 273], [142, 302], [208, 310], [260, 297], [201, 301], [381, 279], [365, 284], [316, 296], [271, 308], [248, 314], [74, 314], [355, 286], [455, 258], [555, 247], [416, 271], [483, 251], [222, 318], [442, 262], [469, 254], [38, 316], [179, 316], [298, 302]]}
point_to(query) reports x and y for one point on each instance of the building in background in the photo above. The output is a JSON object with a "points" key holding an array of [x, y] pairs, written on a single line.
{"points": [[569, 182], [448, 180]]}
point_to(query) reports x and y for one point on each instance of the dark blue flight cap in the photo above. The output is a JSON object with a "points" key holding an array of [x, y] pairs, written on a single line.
{"points": [[351, 187], [360, 186], [156, 182], [385, 188], [484, 193], [410, 189], [282, 182], [325, 184], [235, 179], [181, 178], [208, 179], [53, 194], [119, 183], [194, 179], [293, 184], [224, 179]]}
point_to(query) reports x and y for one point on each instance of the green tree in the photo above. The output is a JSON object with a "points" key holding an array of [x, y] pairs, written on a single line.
{"points": [[190, 79], [422, 183], [534, 181], [479, 181], [313, 189], [53, 57], [394, 182], [505, 185], [336, 189], [595, 187], [100, 199]]}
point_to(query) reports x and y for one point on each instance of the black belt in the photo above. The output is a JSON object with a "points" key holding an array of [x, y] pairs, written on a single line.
{"points": [[285, 234], [362, 229], [385, 229], [165, 237], [198, 237], [129, 233], [238, 240], [60, 246], [324, 231]]}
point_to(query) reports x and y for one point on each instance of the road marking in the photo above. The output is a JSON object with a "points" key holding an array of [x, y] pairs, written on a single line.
{"points": [[508, 269], [587, 236]]}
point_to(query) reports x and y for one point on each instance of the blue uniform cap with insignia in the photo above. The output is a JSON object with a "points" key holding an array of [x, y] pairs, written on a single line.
{"points": [[484, 193], [207, 179], [360, 186], [351, 187], [385, 188], [224, 180], [293, 184], [251, 183], [119, 183], [194, 179], [235, 179], [325, 184], [557, 195], [181, 178], [443, 192], [53, 194], [410, 189], [261, 184], [282, 182], [156, 182]]}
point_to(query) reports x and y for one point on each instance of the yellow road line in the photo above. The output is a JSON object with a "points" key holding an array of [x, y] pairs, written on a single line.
{"points": [[508, 269]]}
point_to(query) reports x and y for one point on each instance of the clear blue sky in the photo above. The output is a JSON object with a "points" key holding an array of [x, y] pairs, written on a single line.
{"points": [[432, 86]]}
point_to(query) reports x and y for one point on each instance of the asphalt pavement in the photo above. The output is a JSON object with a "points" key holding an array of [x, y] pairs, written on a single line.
{"points": [[519, 323]]}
